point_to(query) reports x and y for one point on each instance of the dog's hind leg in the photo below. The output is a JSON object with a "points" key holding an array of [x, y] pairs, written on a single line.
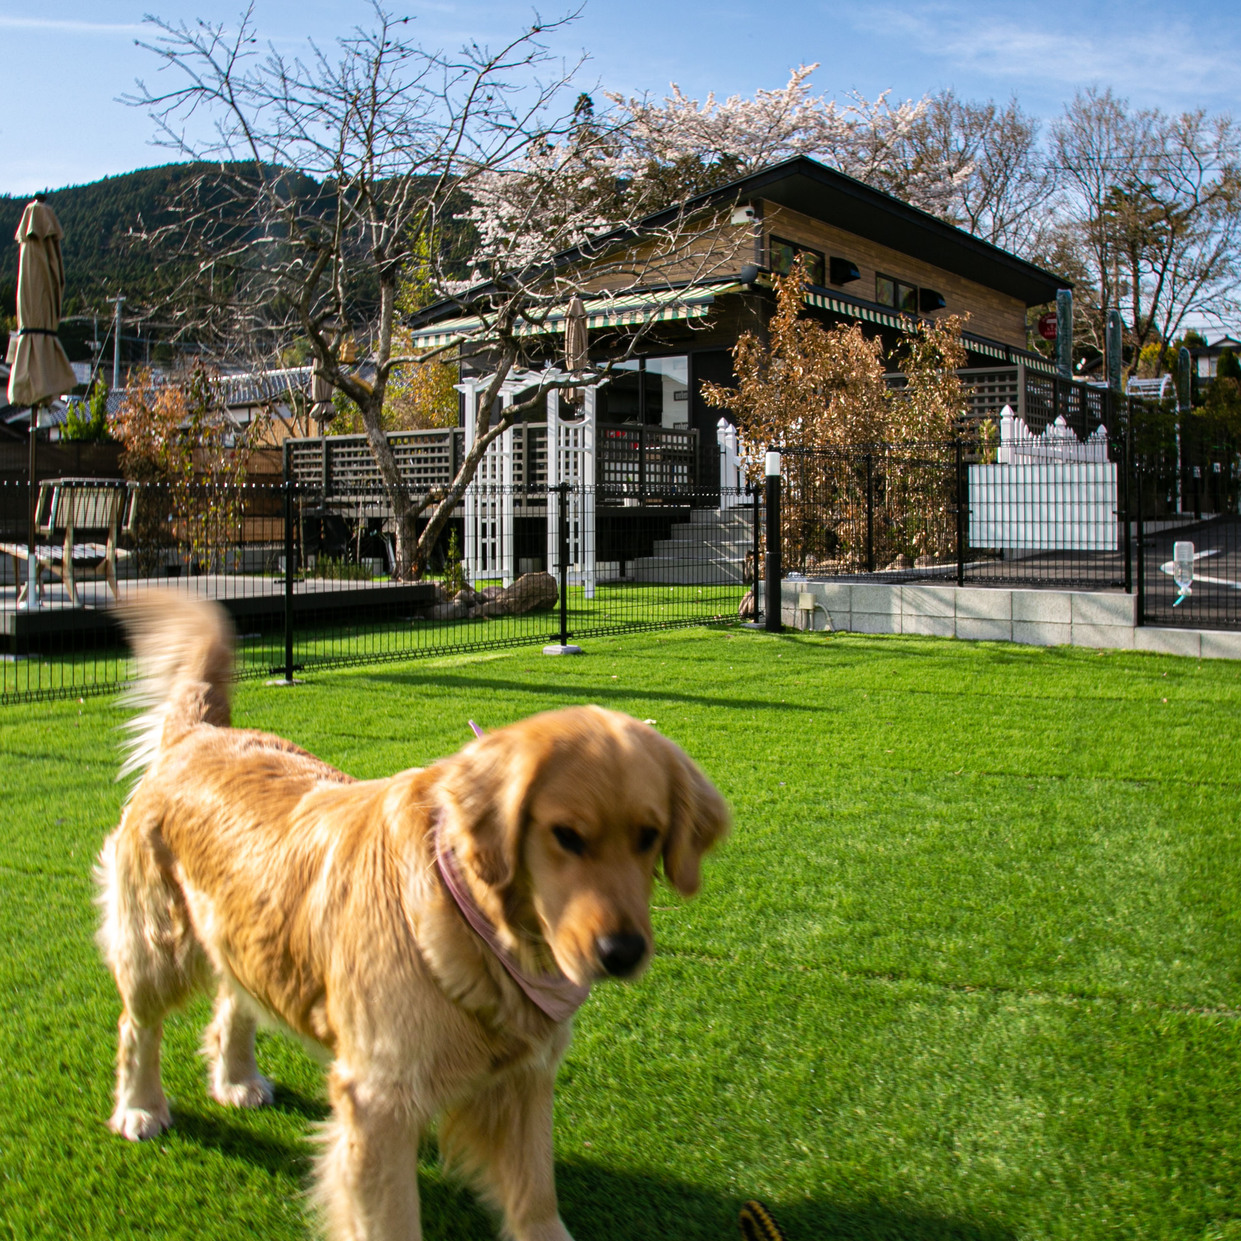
{"points": [[141, 1110], [368, 1172], [229, 1046], [157, 962]]}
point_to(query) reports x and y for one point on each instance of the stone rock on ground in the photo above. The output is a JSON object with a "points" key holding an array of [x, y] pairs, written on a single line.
{"points": [[533, 592], [445, 611]]}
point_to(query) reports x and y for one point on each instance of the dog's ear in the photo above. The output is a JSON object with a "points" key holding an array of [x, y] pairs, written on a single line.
{"points": [[699, 818], [485, 790]]}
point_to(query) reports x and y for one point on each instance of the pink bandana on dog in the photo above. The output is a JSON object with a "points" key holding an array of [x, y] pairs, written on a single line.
{"points": [[556, 995]]}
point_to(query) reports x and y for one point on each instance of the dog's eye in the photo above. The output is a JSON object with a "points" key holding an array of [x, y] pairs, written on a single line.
{"points": [[569, 840], [647, 838]]}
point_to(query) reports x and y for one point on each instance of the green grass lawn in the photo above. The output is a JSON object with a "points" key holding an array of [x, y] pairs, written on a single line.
{"points": [[967, 968]]}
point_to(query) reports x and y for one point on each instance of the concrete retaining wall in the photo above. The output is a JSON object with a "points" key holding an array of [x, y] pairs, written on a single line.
{"points": [[1032, 617]]}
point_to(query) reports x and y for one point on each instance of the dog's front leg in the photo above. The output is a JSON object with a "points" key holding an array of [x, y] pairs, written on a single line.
{"points": [[368, 1172], [502, 1140]]}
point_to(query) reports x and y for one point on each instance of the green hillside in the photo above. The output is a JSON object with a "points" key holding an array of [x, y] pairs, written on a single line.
{"points": [[105, 252], [99, 219]]}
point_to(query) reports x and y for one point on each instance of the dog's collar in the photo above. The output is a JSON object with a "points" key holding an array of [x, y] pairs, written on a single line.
{"points": [[558, 996]]}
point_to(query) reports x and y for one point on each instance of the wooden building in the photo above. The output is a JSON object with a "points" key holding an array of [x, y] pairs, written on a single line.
{"points": [[872, 259]]}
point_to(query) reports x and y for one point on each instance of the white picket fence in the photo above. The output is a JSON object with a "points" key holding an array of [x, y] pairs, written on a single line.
{"points": [[1048, 492]]}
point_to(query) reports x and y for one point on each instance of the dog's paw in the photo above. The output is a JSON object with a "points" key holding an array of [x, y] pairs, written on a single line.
{"points": [[136, 1124], [255, 1092]]}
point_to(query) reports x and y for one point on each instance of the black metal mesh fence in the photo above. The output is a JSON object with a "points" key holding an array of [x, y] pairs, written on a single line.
{"points": [[522, 564], [1187, 489], [951, 512], [1094, 513], [513, 567]]}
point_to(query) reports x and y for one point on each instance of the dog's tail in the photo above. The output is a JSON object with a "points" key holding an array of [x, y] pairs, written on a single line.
{"points": [[184, 654]]}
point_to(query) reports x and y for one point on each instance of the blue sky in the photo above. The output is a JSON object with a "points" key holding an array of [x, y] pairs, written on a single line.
{"points": [[66, 61]]}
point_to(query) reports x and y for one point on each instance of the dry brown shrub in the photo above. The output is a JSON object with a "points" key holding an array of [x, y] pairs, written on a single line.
{"points": [[191, 459], [853, 447]]}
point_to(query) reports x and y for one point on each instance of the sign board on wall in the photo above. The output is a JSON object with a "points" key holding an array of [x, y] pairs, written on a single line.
{"points": [[1047, 326]]}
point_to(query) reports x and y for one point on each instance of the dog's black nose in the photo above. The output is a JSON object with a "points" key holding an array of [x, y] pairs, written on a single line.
{"points": [[619, 954]]}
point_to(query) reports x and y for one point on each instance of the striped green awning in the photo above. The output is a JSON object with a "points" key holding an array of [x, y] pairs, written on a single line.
{"points": [[884, 318], [857, 310], [1037, 363], [633, 309]]}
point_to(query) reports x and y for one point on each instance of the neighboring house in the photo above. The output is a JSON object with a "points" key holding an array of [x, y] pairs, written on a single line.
{"points": [[671, 296], [1206, 357], [268, 397], [872, 257]]}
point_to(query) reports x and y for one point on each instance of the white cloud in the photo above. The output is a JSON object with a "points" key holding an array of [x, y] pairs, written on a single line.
{"points": [[1169, 64], [69, 25]]}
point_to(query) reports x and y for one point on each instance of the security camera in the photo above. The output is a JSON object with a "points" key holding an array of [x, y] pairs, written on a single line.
{"points": [[743, 215]]}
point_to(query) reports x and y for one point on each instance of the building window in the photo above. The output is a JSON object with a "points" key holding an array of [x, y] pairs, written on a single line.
{"points": [[654, 391], [784, 252], [895, 293]]}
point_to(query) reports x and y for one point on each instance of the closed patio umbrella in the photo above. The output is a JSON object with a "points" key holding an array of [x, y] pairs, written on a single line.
{"points": [[576, 355], [40, 369], [321, 407]]}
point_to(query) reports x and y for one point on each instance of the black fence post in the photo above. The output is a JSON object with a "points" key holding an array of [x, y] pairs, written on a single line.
{"points": [[562, 552], [1140, 617], [757, 554], [288, 570], [870, 514], [772, 615], [962, 501], [1126, 466]]}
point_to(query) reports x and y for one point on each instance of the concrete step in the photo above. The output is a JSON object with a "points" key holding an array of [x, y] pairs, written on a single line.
{"points": [[745, 511], [679, 573], [687, 536], [736, 529]]}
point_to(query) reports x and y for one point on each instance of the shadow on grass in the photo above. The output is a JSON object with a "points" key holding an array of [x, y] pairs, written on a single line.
{"points": [[292, 1103], [226, 1135], [597, 1201], [600, 1202], [438, 680]]}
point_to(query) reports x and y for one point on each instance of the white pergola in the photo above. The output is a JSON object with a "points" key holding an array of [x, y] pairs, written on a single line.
{"points": [[489, 510]]}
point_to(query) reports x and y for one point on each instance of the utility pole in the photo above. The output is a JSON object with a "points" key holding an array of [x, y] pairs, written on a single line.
{"points": [[116, 347]]}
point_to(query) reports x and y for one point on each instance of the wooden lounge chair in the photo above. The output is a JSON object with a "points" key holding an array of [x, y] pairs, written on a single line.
{"points": [[82, 518]]}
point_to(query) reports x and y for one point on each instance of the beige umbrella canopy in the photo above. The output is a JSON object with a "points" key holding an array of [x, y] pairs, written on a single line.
{"points": [[41, 370], [576, 354]]}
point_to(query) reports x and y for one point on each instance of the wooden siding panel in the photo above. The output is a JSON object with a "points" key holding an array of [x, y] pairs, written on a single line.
{"points": [[992, 314]]}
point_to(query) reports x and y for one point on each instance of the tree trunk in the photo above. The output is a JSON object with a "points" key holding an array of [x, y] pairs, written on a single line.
{"points": [[404, 510]]}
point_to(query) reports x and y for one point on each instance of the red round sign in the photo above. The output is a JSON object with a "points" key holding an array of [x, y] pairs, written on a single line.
{"points": [[1047, 326]]}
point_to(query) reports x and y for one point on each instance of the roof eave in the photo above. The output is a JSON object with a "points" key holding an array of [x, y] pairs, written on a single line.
{"points": [[1035, 284]]}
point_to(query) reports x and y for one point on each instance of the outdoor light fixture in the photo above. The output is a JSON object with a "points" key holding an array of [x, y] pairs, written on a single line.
{"points": [[772, 464], [749, 273], [929, 299], [842, 271]]}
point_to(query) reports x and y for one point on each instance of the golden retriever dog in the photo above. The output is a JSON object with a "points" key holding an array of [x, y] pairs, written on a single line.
{"points": [[431, 932]]}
